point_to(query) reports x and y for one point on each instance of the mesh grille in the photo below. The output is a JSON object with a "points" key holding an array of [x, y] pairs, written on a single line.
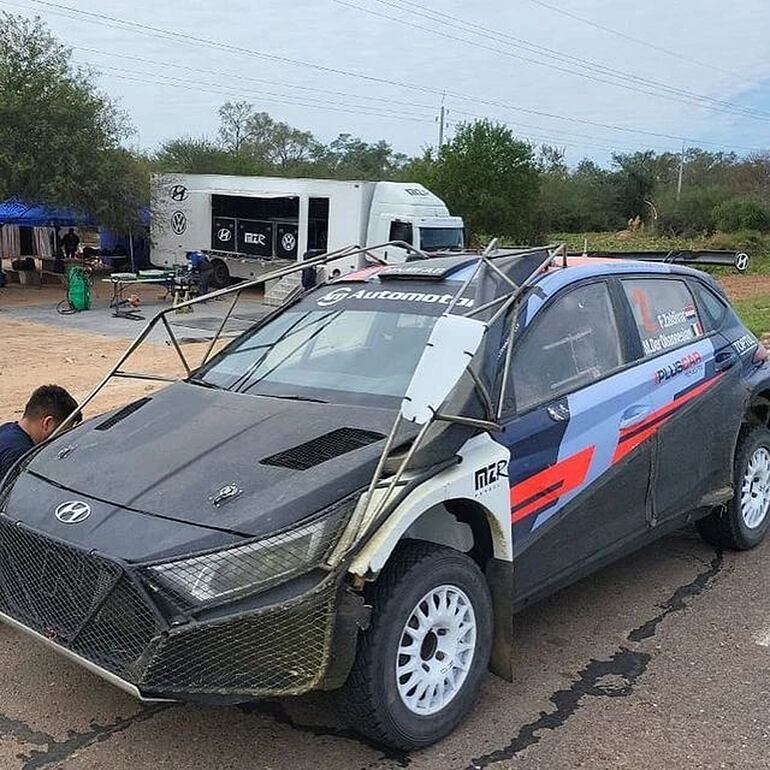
{"points": [[281, 651], [319, 450], [121, 414], [80, 600]]}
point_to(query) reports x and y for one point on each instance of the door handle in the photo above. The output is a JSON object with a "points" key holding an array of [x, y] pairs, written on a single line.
{"points": [[725, 360], [634, 414]]}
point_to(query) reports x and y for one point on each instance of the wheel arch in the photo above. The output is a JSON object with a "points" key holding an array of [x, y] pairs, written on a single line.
{"points": [[758, 409], [464, 524]]}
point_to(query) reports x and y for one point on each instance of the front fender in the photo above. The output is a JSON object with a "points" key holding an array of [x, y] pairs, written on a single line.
{"points": [[480, 477]]}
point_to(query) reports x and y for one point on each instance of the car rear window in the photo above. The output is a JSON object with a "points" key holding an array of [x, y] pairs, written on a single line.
{"points": [[665, 313], [712, 308]]}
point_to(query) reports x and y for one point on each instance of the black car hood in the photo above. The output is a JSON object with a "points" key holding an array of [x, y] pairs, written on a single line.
{"points": [[171, 457]]}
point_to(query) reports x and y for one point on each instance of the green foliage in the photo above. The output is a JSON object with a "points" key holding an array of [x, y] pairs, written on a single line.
{"points": [[59, 137], [488, 177], [742, 213], [693, 214], [755, 313]]}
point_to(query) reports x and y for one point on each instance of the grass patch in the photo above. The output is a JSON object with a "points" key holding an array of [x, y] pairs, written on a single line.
{"points": [[755, 244], [755, 313]]}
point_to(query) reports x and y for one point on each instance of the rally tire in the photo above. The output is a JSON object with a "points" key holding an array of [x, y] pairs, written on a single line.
{"points": [[743, 522], [220, 275], [372, 697]]}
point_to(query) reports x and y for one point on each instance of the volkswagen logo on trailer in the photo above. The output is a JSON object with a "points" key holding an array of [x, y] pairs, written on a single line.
{"points": [[178, 222], [73, 512], [288, 241]]}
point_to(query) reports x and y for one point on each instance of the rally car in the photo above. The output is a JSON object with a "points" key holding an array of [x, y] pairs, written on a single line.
{"points": [[359, 492]]}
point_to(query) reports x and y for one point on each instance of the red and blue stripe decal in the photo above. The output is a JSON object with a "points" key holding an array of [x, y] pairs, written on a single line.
{"points": [[544, 489]]}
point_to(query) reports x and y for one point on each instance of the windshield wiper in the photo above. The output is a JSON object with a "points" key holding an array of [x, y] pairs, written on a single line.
{"points": [[293, 398], [203, 383]]}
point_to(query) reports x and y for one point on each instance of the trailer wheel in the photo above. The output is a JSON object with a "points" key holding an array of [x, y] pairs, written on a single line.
{"points": [[220, 275], [744, 521], [420, 664]]}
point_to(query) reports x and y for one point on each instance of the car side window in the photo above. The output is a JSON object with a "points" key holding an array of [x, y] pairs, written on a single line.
{"points": [[572, 343], [665, 313], [713, 309]]}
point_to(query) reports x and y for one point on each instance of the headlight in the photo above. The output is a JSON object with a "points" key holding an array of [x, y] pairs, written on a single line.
{"points": [[247, 568]]}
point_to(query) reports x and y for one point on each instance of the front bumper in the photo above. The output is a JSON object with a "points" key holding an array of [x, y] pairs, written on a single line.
{"points": [[98, 612]]}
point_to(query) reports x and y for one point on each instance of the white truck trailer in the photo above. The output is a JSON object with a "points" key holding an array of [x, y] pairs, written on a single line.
{"points": [[249, 225]]}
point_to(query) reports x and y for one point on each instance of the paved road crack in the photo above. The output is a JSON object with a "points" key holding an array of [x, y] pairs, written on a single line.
{"points": [[614, 677], [277, 711], [55, 752]]}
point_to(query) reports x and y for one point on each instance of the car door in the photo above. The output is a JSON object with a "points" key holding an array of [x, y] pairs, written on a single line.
{"points": [[694, 385], [577, 495]]}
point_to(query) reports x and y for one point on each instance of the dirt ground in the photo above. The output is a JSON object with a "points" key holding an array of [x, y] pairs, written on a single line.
{"points": [[35, 354]]}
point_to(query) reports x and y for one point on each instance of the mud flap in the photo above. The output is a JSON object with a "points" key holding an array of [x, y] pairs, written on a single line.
{"points": [[500, 581], [353, 615]]}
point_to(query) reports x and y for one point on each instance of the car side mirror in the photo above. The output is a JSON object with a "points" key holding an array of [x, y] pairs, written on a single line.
{"points": [[448, 351]]}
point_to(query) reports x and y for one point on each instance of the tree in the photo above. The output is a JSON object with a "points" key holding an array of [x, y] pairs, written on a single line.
{"points": [[59, 137], [490, 178], [351, 157], [235, 124], [202, 156]]}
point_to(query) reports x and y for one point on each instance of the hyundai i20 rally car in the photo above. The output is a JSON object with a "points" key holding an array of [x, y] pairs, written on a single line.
{"points": [[359, 492]]}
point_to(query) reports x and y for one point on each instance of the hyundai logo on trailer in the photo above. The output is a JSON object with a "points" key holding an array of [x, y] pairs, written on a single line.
{"points": [[224, 234], [73, 512], [179, 193]]}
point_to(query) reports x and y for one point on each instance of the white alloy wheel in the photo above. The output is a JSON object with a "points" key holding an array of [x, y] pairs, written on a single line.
{"points": [[755, 488], [436, 650]]}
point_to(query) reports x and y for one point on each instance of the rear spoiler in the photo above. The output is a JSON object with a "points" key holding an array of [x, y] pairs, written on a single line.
{"points": [[737, 259]]}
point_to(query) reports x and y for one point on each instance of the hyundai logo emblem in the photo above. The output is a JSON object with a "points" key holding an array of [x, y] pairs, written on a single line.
{"points": [[741, 261], [73, 512], [224, 234], [178, 192]]}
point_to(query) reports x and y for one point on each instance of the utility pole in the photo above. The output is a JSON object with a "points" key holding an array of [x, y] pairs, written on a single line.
{"points": [[441, 122], [681, 173]]}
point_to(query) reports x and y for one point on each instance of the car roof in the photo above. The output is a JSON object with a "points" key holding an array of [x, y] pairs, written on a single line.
{"points": [[460, 267]]}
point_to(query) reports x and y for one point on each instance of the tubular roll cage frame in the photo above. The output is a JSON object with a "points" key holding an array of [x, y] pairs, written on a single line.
{"points": [[369, 509]]}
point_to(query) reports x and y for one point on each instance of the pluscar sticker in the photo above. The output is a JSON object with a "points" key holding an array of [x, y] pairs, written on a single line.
{"points": [[688, 364]]}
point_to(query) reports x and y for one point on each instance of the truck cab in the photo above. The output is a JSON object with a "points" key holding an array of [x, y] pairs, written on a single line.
{"points": [[413, 214]]}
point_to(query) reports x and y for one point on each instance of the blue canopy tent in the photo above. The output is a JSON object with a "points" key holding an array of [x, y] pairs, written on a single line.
{"points": [[15, 212]]}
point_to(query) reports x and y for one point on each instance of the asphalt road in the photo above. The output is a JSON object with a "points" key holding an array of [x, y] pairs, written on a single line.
{"points": [[660, 661]]}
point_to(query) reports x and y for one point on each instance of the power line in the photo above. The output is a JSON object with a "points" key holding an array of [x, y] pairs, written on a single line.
{"points": [[187, 39], [596, 72], [638, 41], [544, 132]]}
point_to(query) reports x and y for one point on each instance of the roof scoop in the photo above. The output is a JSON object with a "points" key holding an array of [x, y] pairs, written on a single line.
{"points": [[450, 348]]}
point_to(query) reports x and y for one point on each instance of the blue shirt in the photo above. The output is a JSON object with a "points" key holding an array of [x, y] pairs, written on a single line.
{"points": [[14, 442]]}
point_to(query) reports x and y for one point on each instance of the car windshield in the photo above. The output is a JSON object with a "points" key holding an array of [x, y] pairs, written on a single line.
{"points": [[441, 238], [342, 356]]}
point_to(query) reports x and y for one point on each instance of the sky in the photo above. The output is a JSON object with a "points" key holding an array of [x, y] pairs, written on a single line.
{"points": [[591, 76]]}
